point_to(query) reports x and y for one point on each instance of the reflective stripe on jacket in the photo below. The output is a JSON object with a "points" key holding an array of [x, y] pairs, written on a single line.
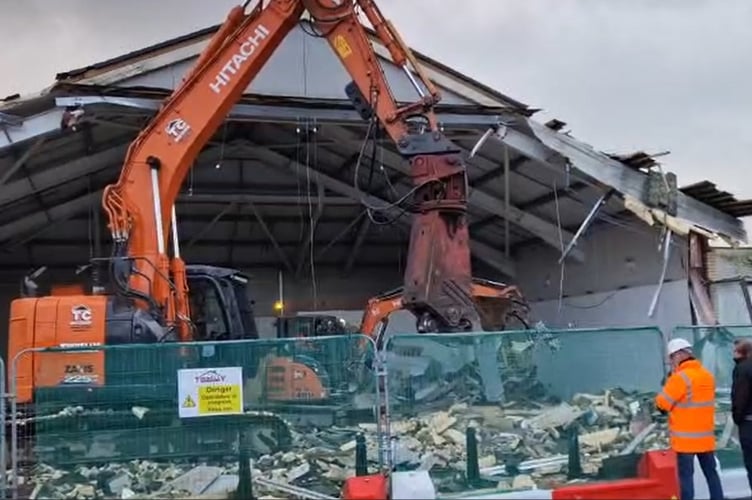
{"points": [[689, 397]]}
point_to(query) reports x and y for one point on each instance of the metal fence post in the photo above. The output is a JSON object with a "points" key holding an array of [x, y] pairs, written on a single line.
{"points": [[14, 425], [13, 395], [3, 402], [383, 417]]}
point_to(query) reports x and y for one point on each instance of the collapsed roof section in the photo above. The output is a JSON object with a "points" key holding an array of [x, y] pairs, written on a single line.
{"points": [[531, 183]]}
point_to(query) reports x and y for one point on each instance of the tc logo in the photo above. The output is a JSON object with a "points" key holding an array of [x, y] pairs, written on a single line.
{"points": [[81, 315], [177, 129]]}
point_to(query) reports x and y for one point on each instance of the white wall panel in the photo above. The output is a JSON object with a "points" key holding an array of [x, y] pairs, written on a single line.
{"points": [[619, 308], [614, 258]]}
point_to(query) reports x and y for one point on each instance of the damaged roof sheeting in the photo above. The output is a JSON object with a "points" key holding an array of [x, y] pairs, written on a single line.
{"points": [[708, 193], [691, 214], [709, 216], [118, 95]]}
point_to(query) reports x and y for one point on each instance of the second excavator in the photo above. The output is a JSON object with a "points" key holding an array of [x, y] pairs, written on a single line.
{"points": [[154, 297]]}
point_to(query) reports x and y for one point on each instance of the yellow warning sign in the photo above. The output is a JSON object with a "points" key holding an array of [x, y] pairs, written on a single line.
{"points": [[213, 399], [343, 48], [210, 391]]}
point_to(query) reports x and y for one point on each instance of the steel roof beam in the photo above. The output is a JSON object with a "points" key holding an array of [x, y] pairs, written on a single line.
{"points": [[480, 250], [21, 161], [546, 146], [270, 113], [270, 236], [555, 149], [31, 127], [52, 215], [209, 242], [79, 168], [209, 225], [66, 172], [260, 199], [545, 230]]}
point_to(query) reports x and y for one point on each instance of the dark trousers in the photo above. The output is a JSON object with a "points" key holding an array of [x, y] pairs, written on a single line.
{"points": [[745, 440], [686, 462]]}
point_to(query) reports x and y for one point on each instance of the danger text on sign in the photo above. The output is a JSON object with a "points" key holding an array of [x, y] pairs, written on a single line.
{"points": [[219, 399], [210, 391]]}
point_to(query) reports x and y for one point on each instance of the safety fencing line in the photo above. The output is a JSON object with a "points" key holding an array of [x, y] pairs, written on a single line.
{"points": [[18, 427], [379, 370], [13, 397]]}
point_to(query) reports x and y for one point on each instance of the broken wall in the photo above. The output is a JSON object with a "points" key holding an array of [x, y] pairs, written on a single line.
{"points": [[613, 287], [728, 271], [619, 308]]}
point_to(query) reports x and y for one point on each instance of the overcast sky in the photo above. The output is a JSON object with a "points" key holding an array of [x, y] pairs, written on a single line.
{"points": [[654, 75]]}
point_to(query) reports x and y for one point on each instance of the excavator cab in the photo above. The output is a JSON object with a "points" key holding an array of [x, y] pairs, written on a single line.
{"points": [[221, 304], [310, 325]]}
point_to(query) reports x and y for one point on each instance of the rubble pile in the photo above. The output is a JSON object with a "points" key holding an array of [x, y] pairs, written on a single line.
{"points": [[525, 445], [521, 445], [437, 392]]}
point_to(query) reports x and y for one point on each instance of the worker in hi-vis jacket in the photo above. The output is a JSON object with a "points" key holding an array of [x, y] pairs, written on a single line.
{"points": [[688, 397]]}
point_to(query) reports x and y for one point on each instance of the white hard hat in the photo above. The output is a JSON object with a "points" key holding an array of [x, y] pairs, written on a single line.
{"points": [[676, 345]]}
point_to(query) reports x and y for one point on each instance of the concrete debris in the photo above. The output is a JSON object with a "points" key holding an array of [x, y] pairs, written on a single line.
{"points": [[523, 482], [522, 444]]}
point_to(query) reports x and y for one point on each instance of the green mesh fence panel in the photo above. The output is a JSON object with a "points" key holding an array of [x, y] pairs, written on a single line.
{"points": [[134, 415], [523, 391]]}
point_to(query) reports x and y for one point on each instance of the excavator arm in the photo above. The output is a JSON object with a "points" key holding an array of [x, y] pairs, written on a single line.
{"points": [[140, 205], [498, 305], [438, 285]]}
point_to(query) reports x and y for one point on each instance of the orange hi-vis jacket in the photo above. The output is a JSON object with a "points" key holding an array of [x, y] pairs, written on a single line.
{"points": [[689, 397]]}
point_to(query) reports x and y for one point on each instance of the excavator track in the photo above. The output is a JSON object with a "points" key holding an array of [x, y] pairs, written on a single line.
{"points": [[79, 436]]}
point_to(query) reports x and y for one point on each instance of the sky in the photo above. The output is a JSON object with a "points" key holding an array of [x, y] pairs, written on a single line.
{"points": [[626, 75]]}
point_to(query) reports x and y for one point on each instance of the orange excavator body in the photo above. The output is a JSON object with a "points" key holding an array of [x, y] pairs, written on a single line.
{"points": [[150, 299], [50, 322], [69, 289], [289, 381]]}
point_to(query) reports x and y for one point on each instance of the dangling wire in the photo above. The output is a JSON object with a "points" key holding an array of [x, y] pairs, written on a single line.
{"points": [[90, 219], [400, 203], [561, 245], [311, 248], [298, 162], [222, 147]]}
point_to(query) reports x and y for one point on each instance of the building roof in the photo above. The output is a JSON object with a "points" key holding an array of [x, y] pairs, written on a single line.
{"points": [[50, 175]]}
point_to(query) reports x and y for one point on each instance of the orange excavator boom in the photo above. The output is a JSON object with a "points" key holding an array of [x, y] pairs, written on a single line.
{"points": [[438, 285], [140, 205]]}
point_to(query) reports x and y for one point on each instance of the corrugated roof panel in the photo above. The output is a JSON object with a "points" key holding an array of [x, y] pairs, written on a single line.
{"points": [[708, 193]]}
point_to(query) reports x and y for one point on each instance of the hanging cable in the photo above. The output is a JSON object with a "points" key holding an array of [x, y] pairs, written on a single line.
{"points": [[90, 219], [561, 245], [399, 203], [313, 224], [298, 162]]}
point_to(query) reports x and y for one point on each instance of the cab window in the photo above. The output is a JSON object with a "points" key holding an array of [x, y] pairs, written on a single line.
{"points": [[206, 310]]}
